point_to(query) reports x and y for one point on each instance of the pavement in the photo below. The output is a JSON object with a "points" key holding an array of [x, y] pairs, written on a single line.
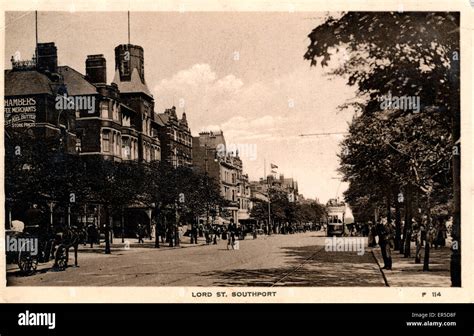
{"points": [[405, 273]]}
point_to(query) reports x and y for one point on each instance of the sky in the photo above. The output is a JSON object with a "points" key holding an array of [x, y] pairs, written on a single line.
{"points": [[242, 73]]}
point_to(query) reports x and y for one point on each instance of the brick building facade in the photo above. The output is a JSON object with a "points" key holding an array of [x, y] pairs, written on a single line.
{"points": [[175, 137], [210, 156]]}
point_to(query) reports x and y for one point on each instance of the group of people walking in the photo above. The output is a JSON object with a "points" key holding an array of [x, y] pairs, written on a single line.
{"points": [[424, 233], [385, 232]]}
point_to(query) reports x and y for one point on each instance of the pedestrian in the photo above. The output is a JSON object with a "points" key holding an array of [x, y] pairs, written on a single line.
{"points": [[201, 228], [214, 241], [140, 232], [385, 234], [152, 231], [207, 233], [371, 235], [194, 234], [179, 234], [91, 232], [232, 231], [441, 233]]}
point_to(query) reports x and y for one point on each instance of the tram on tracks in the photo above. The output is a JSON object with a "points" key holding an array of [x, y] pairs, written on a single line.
{"points": [[336, 211]]}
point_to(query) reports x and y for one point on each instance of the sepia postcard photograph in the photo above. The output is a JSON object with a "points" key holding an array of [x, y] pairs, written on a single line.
{"points": [[238, 153]]}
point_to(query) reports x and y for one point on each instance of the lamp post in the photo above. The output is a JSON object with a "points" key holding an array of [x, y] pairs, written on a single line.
{"points": [[207, 182], [269, 210], [123, 226], [63, 149]]}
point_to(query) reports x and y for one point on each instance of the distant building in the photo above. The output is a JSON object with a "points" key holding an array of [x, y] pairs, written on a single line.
{"points": [[259, 189], [211, 157], [175, 137], [244, 195]]}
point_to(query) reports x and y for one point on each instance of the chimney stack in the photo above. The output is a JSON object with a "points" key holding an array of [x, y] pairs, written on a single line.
{"points": [[47, 57], [96, 69]]}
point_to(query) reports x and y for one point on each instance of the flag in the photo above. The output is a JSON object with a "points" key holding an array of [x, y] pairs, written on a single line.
{"points": [[274, 171], [273, 166]]}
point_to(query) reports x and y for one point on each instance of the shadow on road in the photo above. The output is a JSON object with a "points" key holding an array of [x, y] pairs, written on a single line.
{"points": [[307, 266]]}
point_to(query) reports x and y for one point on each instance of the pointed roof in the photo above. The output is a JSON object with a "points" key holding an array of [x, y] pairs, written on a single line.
{"points": [[76, 83], [20, 83], [162, 118], [135, 84]]}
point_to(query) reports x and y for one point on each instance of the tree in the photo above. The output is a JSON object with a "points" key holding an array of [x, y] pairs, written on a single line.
{"points": [[165, 185], [404, 54], [310, 212], [40, 171], [259, 210], [160, 192], [201, 194], [114, 185]]}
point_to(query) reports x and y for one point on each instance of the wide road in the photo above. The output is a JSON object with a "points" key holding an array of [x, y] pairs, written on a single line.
{"points": [[277, 260]]}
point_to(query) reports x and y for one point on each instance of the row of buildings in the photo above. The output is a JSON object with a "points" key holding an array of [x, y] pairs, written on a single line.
{"points": [[118, 121], [288, 185]]}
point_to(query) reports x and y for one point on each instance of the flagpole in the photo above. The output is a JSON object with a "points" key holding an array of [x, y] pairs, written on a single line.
{"points": [[264, 168], [36, 35], [128, 16]]}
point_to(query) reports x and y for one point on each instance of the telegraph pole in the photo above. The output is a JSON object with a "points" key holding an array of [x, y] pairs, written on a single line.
{"points": [[268, 195]]}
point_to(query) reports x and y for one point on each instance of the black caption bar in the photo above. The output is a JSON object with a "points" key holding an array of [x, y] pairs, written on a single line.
{"points": [[119, 319]]}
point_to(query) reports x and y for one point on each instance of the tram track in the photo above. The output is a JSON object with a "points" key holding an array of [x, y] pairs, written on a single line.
{"points": [[297, 268]]}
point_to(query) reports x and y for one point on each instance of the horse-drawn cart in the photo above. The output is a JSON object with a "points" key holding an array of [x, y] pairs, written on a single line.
{"points": [[33, 245], [28, 247]]}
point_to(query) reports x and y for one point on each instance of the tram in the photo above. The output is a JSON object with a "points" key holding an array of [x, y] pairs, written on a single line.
{"points": [[335, 225]]}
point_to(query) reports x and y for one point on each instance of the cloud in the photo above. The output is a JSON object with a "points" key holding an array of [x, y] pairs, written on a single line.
{"points": [[269, 115], [198, 74], [229, 84], [249, 129], [198, 88]]}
